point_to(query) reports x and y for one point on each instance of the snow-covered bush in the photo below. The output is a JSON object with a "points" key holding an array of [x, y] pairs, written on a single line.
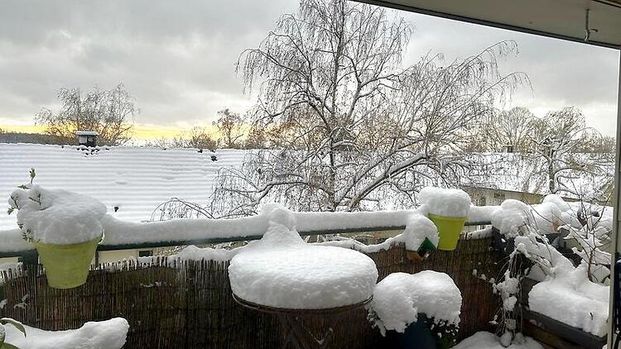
{"points": [[400, 297], [445, 202], [56, 216], [566, 293]]}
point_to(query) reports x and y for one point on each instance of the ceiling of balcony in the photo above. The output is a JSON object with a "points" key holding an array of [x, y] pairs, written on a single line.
{"points": [[565, 19]]}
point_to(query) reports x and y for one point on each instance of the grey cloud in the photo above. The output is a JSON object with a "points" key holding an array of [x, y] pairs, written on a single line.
{"points": [[177, 58]]}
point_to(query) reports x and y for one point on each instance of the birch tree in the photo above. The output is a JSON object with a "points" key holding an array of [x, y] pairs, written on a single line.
{"points": [[559, 139], [350, 124], [109, 112]]}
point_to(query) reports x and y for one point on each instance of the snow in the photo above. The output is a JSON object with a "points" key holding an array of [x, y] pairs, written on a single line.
{"points": [[110, 334], [512, 217], [482, 213], [566, 294], [57, 216], [417, 230], [125, 232], [486, 340], [547, 217], [400, 297], [445, 202], [574, 300], [208, 254], [283, 271]]}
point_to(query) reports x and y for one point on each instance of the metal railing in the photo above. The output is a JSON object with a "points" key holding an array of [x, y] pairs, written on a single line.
{"points": [[30, 253]]}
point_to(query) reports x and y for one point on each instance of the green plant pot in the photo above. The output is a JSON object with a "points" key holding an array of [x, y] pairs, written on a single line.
{"points": [[67, 266], [449, 229]]}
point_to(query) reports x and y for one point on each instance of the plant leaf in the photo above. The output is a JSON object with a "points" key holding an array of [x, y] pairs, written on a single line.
{"points": [[8, 346]]}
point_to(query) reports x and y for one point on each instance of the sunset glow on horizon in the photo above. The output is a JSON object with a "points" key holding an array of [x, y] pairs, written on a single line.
{"points": [[142, 132]]}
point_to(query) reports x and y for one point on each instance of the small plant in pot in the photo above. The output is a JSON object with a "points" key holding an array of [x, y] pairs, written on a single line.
{"points": [[64, 227], [448, 209]]}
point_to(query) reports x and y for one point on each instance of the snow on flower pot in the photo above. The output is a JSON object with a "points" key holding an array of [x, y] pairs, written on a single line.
{"points": [[64, 227], [67, 266], [448, 210], [417, 310]]}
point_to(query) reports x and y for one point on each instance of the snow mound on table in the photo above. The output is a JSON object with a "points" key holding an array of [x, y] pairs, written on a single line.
{"points": [[399, 298], [57, 216], [283, 271], [486, 340], [110, 334], [445, 202]]}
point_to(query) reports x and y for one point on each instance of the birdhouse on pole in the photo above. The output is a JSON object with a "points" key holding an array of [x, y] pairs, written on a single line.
{"points": [[87, 138]]}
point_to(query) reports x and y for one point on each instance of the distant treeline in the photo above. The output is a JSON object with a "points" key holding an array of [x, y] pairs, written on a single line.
{"points": [[20, 137]]}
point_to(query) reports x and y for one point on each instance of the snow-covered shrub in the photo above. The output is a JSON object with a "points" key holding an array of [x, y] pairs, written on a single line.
{"points": [[566, 293], [400, 297], [445, 202], [56, 216], [513, 218]]}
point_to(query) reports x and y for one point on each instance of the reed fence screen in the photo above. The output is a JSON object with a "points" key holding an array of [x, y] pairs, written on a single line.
{"points": [[189, 304]]}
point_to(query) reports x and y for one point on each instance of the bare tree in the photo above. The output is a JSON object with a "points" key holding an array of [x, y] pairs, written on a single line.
{"points": [[507, 128], [109, 113], [559, 139], [350, 123], [230, 128]]}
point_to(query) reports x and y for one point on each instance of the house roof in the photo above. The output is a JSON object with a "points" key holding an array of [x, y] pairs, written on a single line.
{"points": [[86, 133], [133, 179], [138, 179], [564, 19]]}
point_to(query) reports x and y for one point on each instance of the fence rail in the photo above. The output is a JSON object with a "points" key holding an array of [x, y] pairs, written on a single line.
{"points": [[28, 253], [189, 305]]}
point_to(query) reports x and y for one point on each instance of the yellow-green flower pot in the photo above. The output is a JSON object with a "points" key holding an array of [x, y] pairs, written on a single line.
{"points": [[449, 230], [67, 266]]}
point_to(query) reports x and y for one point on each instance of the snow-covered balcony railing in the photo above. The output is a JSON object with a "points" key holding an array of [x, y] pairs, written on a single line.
{"points": [[120, 235]]}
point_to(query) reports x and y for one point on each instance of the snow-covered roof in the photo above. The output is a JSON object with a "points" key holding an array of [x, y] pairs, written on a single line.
{"points": [[527, 173], [134, 179], [86, 133], [137, 179]]}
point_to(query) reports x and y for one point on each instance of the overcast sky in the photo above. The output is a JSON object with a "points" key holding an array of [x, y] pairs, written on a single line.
{"points": [[177, 58]]}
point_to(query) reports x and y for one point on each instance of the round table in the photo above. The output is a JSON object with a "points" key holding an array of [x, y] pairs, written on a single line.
{"points": [[292, 322]]}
